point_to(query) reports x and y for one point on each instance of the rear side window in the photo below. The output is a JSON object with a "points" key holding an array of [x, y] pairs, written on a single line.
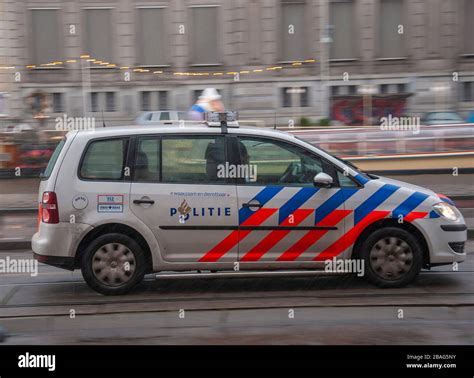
{"points": [[104, 160], [193, 159], [53, 159], [147, 160]]}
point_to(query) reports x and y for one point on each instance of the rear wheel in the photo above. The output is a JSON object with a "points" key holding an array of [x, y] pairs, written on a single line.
{"points": [[392, 257], [113, 264]]}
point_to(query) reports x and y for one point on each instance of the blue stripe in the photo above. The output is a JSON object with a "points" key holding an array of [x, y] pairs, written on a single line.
{"points": [[447, 200], [409, 204], [295, 202], [333, 203], [263, 197], [434, 214], [362, 180], [373, 201]]}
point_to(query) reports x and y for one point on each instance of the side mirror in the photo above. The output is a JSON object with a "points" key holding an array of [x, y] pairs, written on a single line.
{"points": [[323, 180]]}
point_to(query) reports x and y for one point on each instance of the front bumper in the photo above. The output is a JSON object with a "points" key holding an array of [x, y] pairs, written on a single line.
{"points": [[441, 235]]}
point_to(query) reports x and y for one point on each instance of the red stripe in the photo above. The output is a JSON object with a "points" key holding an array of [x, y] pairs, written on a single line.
{"points": [[235, 237], [312, 237], [410, 217], [275, 236], [350, 237]]}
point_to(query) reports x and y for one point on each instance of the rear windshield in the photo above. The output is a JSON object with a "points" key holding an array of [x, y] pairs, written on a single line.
{"points": [[53, 159]]}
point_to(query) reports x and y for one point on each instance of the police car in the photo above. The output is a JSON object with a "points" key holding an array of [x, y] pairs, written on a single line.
{"points": [[119, 203]]}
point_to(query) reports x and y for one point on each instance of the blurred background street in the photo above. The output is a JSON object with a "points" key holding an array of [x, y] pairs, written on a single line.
{"points": [[385, 84]]}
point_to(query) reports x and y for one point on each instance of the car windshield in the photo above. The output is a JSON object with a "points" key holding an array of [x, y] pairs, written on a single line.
{"points": [[368, 176]]}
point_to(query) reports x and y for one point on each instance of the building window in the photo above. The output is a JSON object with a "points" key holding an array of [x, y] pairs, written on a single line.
{"points": [[196, 94], [204, 41], [98, 34], [94, 102], [3, 104], [151, 37], [304, 98], [393, 88], [286, 98], [344, 39], [391, 42], [468, 91], [293, 30], [295, 97], [45, 35], [254, 16], [352, 89], [163, 100], [110, 101], [57, 102], [145, 101], [468, 27]]}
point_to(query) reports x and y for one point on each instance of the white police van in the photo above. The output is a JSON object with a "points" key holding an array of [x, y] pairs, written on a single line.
{"points": [[119, 203]]}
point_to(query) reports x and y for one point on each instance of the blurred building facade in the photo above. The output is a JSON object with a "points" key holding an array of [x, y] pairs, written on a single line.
{"points": [[420, 52]]}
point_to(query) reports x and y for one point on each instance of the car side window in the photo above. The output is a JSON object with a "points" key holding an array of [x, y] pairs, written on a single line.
{"points": [[276, 162], [164, 116], [147, 160], [345, 181], [193, 159], [104, 160]]}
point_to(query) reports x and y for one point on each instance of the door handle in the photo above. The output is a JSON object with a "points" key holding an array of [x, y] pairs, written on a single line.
{"points": [[250, 204], [143, 201]]}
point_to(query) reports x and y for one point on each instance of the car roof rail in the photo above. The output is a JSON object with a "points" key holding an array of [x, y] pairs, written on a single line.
{"points": [[222, 120]]}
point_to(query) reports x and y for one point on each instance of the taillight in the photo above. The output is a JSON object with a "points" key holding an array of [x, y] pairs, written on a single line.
{"points": [[49, 208]]}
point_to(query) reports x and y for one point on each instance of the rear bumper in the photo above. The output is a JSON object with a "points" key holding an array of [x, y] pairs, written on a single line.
{"points": [[58, 240], [57, 261]]}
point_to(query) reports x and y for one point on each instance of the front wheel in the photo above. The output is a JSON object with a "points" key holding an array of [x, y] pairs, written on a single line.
{"points": [[113, 264], [392, 257]]}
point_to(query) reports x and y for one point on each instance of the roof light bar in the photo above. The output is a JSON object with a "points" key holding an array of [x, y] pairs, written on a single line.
{"points": [[222, 119]]}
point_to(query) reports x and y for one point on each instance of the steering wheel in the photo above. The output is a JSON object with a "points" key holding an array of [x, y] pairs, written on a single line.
{"points": [[291, 173]]}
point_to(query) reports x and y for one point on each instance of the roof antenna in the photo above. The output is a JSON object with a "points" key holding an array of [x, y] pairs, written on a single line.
{"points": [[103, 120], [275, 121], [223, 119]]}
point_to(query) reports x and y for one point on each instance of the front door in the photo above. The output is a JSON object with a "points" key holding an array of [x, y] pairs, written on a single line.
{"points": [[178, 193], [283, 217]]}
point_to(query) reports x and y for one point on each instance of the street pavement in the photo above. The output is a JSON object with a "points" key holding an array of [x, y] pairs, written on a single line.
{"points": [[436, 309]]}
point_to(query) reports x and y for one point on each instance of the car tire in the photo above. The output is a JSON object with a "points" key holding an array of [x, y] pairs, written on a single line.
{"points": [[392, 257], [113, 264]]}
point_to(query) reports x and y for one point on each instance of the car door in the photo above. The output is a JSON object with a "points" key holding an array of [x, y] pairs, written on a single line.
{"points": [[177, 192], [283, 217]]}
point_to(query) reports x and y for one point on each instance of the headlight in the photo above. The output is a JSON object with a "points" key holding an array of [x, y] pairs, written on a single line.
{"points": [[447, 211]]}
